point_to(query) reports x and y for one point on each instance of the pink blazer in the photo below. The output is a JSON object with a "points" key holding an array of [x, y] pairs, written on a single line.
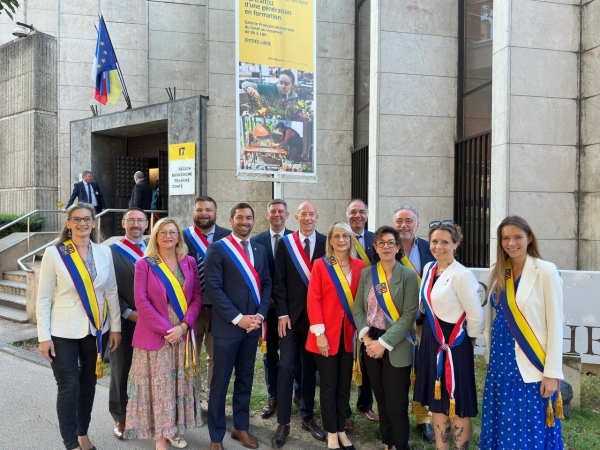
{"points": [[151, 303]]}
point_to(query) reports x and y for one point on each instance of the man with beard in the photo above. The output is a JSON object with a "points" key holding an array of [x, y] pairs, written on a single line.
{"points": [[416, 255], [293, 264], [239, 285], [197, 238], [125, 254]]}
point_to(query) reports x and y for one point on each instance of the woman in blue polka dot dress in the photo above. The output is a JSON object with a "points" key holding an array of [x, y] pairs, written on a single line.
{"points": [[519, 381]]}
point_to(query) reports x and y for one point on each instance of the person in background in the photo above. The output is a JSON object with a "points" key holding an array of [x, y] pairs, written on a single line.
{"points": [[292, 141], [77, 304], [86, 191], [284, 89], [141, 196]]}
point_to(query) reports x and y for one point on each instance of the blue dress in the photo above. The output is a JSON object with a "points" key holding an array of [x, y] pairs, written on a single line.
{"points": [[514, 412]]}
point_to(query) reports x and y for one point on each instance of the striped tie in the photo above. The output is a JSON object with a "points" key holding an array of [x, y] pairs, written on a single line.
{"points": [[200, 264]]}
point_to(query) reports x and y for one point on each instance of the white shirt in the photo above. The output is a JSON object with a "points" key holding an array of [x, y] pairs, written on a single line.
{"points": [[91, 189], [312, 241]]}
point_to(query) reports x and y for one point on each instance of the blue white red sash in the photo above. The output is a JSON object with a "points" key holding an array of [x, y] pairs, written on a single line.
{"points": [[197, 239], [456, 337], [128, 250], [296, 251], [342, 287]]}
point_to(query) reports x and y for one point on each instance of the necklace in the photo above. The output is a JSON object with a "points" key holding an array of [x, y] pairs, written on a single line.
{"points": [[343, 265]]}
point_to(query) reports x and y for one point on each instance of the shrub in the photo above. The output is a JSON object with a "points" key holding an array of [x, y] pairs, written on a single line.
{"points": [[36, 223]]}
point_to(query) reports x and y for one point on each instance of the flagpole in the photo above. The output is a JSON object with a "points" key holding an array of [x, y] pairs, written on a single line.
{"points": [[119, 73]]}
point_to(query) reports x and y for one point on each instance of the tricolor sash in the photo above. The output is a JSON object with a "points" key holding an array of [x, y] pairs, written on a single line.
{"points": [[341, 286], [296, 251], [198, 240], [406, 263], [87, 294], [360, 252], [178, 301], [128, 250], [456, 338]]}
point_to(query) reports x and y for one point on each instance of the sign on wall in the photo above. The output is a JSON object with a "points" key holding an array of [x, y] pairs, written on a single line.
{"points": [[182, 169], [276, 90]]}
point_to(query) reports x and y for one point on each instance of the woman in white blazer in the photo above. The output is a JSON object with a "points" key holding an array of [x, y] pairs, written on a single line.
{"points": [[68, 338], [519, 386], [450, 298]]}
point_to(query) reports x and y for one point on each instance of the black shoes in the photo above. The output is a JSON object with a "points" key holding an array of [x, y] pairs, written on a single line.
{"points": [[278, 440], [269, 408], [426, 432], [315, 430]]}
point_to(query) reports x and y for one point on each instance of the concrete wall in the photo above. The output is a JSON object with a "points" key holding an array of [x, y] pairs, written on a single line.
{"points": [[535, 122], [412, 108]]}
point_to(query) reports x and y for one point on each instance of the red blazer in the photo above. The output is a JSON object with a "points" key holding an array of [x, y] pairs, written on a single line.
{"points": [[324, 306], [151, 303]]}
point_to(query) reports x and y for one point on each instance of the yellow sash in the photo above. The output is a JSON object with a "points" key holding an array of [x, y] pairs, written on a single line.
{"points": [[406, 263], [361, 252]]}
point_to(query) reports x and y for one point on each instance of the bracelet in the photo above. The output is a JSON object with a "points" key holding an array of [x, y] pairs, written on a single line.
{"points": [[184, 326]]}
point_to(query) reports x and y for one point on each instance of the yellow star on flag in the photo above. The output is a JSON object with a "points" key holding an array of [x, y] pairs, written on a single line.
{"points": [[101, 43], [103, 60], [105, 52], [99, 65]]}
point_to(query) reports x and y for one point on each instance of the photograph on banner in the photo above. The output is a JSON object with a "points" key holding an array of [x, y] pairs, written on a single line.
{"points": [[276, 111]]}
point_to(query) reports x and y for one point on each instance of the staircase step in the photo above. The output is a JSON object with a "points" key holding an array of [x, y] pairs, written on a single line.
{"points": [[13, 301], [13, 314], [15, 275], [13, 287]]}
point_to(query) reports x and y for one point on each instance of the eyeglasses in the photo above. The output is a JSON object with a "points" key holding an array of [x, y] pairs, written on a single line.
{"points": [[384, 244], [140, 221], [339, 237], [439, 223], [77, 220], [171, 233]]}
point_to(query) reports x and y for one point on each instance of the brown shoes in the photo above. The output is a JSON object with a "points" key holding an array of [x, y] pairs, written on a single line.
{"points": [[370, 415], [119, 429], [216, 446], [269, 408], [245, 438], [348, 426], [278, 440]]}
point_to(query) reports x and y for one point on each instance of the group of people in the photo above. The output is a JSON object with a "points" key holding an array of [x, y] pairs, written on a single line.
{"points": [[389, 310]]}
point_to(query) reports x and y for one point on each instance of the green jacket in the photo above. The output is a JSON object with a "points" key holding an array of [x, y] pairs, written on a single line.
{"points": [[405, 294]]}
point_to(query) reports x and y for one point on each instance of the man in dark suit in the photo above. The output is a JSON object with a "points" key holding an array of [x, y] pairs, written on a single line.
{"points": [[290, 288], [124, 253], [87, 191], [277, 214], [357, 214], [239, 285], [202, 233], [141, 196], [406, 221]]}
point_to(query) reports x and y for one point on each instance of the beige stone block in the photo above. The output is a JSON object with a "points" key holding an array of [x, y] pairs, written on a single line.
{"points": [[74, 97], [221, 25], [225, 188], [335, 76], [590, 23], [157, 95], [337, 11], [531, 20], [418, 54], [335, 112], [334, 147], [78, 50], [217, 63], [328, 210], [538, 120], [500, 177], [333, 183], [124, 11], [590, 117], [133, 62], [75, 74], [417, 95], [555, 168], [79, 27], [415, 176], [589, 212], [40, 4], [182, 18], [64, 145], [65, 184], [589, 255], [430, 208], [433, 17], [75, 7], [562, 252], [554, 73], [540, 209], [222, 89], [186, 2], [500, 96], [137, 87], [403, 136], [221, 153], [501, 26], [128, 35], [590, 72], [185, 75], [221, 4], [335, 40], [589, 167], [44, 20], [169, 45], [221, 121], [65, 116]]}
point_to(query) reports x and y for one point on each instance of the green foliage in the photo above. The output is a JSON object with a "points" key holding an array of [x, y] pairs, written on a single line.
{"points": [[8, 7], [35, 223]]}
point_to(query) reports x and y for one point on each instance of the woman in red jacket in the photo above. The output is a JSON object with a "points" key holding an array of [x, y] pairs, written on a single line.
{"points": [[333, 283]]}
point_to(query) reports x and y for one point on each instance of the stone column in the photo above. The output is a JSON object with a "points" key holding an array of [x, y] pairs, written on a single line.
{"points": [[535, 122]]}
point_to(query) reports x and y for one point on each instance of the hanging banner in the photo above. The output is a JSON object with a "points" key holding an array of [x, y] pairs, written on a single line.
{"points": [[276, 86], [182, 169]]}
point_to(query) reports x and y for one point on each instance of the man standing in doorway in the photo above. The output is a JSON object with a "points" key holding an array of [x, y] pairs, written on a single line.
{"points": [[87, 191], [197, 238], [141, 196], [125, 254], [416, 255]]}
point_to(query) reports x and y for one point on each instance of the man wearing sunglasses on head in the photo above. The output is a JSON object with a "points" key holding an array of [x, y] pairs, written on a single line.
{"points": [[416, 255]]}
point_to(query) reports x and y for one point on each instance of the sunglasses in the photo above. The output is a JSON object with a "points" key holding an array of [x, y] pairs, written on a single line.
{"points": [[441, 223]]}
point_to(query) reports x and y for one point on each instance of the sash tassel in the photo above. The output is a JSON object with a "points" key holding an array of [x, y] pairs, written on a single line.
{"points": [[99, 366]]}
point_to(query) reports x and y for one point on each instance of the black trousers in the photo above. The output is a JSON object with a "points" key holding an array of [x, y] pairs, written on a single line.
{"points": [[120, 363], [335, 373], [74, 368], [390, 386]]}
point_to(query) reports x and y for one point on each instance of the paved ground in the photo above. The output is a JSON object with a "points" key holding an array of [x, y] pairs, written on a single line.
{"points": [[28, 406]]}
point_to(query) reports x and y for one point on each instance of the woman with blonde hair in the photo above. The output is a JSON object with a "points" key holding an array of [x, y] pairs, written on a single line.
{"points": [[525, 355], [164, 384]]}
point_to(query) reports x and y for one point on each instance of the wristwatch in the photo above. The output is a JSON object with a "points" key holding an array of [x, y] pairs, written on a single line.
{"points": [[318, 334]]}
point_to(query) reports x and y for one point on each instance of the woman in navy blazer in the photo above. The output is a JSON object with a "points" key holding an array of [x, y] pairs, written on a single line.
{"points": [[164, 386]]}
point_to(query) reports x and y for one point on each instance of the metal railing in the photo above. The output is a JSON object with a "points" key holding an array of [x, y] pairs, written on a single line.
{"points": [[28, 217]]}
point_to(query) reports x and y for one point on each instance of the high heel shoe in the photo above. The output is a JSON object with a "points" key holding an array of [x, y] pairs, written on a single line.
{"points": [[177, 442]]}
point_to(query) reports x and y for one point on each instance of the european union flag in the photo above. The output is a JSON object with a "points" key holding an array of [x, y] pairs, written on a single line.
{"points": [[104, 72]]}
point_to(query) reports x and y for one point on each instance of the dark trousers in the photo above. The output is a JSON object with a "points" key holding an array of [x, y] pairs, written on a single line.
{"points": [[229, 353], [271, 358], [390, 386], [364, 402], [120, 363], [74, 368], [335, 373], [292, 345]]}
